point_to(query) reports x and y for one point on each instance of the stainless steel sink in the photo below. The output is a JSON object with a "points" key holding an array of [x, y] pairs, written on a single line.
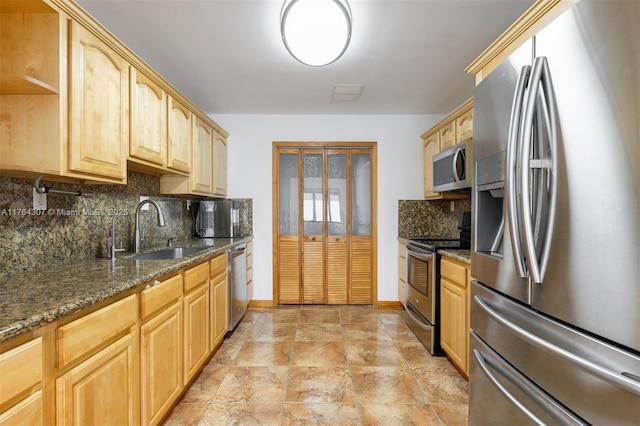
{"points": [[169, 253]]}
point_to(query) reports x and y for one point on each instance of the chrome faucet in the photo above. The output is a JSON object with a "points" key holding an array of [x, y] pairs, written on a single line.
{"points": [[138, 240], [115, 250]]}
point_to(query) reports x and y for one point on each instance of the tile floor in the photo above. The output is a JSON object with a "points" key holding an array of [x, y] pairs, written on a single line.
{"points": [[324, 365]]}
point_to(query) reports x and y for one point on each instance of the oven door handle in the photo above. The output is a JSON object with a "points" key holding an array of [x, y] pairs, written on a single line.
{"points": [[420, 254]]}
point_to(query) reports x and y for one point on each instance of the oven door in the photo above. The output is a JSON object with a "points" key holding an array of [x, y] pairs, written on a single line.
{"points": [[421, 277]]}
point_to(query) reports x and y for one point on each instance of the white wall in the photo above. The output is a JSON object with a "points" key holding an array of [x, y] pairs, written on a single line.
{"points": [[400, 175]]}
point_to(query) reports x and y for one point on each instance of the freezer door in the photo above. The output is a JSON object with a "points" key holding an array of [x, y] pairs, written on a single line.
{"points": [[500, 395], [592, 378], [492, 255], [592, 279]]}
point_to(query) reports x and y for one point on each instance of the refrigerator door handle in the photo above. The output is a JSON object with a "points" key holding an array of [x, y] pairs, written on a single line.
{"points": [[486, 363], [511, 193], [620, 380], [540, 80]]}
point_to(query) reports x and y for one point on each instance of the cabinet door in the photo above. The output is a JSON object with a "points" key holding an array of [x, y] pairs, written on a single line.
{"points": [[219, 164], [101, 390], [180, 137], [464, 126], [448, 136], [431, 148], [219, 303], [148, 139], [453, 323], [28, 412], [98, 107], [202, 177], [161, 363], [196, 330]]}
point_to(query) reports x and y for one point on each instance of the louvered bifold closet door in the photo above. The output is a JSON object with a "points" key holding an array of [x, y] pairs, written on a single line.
{"points": [[362, 225], [313, 213], [288, 240], [337, 227]]}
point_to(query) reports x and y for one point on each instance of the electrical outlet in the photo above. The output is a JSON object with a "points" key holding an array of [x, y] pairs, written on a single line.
{"points": [[188, 205], [453, 207], [146, 206], [39, 200]]}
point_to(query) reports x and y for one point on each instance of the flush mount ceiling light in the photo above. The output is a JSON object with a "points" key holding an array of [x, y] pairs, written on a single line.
{"points": [[316, 32]]}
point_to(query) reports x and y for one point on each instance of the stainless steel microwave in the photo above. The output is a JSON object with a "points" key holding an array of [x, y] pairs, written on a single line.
{"points": [[452, 168]]}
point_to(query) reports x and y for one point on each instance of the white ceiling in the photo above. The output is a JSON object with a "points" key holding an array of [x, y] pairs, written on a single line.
{"points": [[228, 58]]}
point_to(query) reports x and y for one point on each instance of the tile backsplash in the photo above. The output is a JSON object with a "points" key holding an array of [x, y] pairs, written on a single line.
{"points": [[75, 228], [430, 218]]}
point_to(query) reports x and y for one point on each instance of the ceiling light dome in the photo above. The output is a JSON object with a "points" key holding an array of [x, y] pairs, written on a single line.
{"points": [[316, 32]]}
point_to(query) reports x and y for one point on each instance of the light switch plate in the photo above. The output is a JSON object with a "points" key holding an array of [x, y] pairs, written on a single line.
{"points": [[39, 200]]}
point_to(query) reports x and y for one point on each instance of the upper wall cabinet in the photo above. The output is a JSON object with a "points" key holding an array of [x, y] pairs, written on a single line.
{"points": [[455, 128], [98, 107], [77, 105], [209, 166], [148, 137]]}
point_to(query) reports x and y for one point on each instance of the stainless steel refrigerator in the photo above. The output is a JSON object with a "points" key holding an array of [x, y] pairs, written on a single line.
{"points": [[555, 300]]}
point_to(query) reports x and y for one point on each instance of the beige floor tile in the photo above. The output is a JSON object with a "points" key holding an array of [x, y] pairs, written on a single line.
{"points": [[358, 317], [314, 354], [253, 384], [374, 354], [400, 330], [249, 414], [186, 414], [397, 415], [391, 317], [205, 386], [386, 385], [319, 384], [264, 354], [453, 415], [297, 414], [375, 332], [442, 385], [416, 355], [319, 316], [226, 353], [319, 332], [273, 332]]}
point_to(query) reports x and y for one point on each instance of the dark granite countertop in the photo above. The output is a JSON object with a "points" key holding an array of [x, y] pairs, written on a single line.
{"points": [[463, 255], [33, 298]]}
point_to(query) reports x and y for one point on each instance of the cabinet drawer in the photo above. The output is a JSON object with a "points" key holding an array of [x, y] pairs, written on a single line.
{"points": [[249, 275], [454, 272], [29, 411], [20, 369], [249, 247], [219, 265], [154, 298], [249, 261], [90, 331], [402, 269], [195, 276]]}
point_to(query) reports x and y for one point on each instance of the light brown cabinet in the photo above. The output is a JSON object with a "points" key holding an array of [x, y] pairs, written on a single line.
{"points": [[99, 107], [249, 271], [219, 299], [180, 138], [402, 273], [219, 164], [21, 376], [63, 98], [197, 314], [113, 332], [78, 105], [148, 137], [453, 129], [160, 348], [454, 317]]}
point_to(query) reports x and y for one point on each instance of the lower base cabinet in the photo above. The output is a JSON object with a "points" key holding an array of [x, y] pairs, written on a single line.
{"points": [[454, 312], [103, 389], [126, 363], [161, 347]]}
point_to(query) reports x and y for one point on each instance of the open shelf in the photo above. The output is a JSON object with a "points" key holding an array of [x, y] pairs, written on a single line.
{"points": [[15, 84]]}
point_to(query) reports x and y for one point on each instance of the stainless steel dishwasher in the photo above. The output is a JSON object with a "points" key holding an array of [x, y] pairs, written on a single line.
{"points": [[237, 284]]}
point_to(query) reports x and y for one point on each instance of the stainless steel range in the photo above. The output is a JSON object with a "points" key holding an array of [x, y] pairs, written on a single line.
{"points": [[423, 290]]}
